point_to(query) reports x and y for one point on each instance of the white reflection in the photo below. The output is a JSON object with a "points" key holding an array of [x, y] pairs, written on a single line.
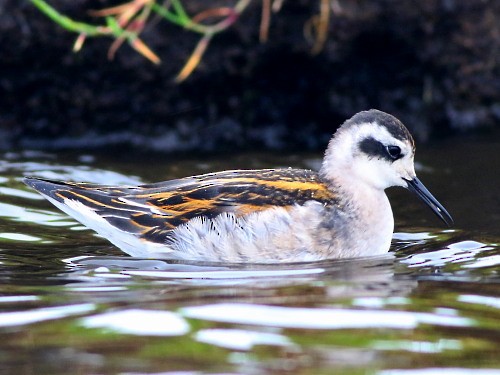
{"points": [[490, 261], [39, 216], [466, 245], [239, 339], [317, 318], [239, 274], [110, 275], [83, 173], [10, 299], [374, 302], [480, 300], [18, 237], [464, 251], [20, 193], [16, 318], [139, 322], [67, 172]]}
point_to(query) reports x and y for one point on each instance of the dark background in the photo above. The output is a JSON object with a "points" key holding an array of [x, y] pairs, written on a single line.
{"points": [[434, 64]]}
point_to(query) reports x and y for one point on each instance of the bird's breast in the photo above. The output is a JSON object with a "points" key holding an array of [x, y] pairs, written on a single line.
{"points": [[285, 234], [307, 232]]}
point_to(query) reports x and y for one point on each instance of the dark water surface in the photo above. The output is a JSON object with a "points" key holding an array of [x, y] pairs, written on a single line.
{"points": [[71, 303]]}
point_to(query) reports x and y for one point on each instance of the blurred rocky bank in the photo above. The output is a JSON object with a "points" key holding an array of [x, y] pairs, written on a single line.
{"points": [[435, 64]]}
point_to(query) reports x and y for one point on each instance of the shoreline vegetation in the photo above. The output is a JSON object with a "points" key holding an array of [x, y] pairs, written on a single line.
{"points": [[126, 21]]}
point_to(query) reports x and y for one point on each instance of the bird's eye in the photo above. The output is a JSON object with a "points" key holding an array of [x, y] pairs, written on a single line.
{"points": [[394, 152]]}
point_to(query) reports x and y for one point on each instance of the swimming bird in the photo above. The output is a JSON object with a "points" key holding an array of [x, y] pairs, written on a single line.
{"points": [[262, 216]]}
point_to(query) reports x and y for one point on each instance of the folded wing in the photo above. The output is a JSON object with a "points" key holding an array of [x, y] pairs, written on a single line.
{"points": [[152, 211]]}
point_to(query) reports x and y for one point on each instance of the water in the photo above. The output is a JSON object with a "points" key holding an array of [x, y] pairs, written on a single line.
{"points": [[72, 303]]}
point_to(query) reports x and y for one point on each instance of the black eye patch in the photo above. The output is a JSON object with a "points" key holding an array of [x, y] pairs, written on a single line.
{"points": [[375, 149]]}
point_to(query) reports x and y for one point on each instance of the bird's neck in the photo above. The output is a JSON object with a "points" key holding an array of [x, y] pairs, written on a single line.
{"points": [[366, 215]]}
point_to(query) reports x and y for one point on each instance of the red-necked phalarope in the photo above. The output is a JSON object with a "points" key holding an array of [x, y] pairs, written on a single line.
{"points": [[262, 216]]}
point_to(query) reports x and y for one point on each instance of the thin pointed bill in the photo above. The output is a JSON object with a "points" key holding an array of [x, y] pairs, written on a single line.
{"points": [[421, 191]]}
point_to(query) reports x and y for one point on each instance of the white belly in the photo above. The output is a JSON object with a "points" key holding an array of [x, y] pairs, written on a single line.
{"points": [[280, 235]]}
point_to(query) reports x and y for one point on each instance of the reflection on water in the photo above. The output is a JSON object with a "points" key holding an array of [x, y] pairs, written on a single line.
{"points": [[139, 322], [69, 300], [319, 318]]}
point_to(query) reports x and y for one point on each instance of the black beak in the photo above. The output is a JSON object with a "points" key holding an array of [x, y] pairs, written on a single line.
{"points": [[418, 188]]}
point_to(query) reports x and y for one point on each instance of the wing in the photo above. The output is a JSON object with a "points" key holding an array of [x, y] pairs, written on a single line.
{"points": [[152, 211]]}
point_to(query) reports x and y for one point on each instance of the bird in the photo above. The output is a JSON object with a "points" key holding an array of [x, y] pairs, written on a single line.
{"points": [[281, 215]]}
